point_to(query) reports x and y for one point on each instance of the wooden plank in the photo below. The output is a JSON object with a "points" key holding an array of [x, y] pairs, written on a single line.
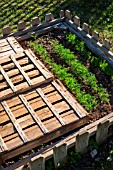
{"points": [[7, 59], [14, 142], [69, 116], [19, 110], [11, 41], [23, 99], [3, 41], [19, 78], [7, 130], [38, 27], [32, 112], [25, 120], [7, 79], [12, 65], [70, 102], [51, 107], [22, 87], [43, 70], [47, 137], [3, 146], [14, 121], [7, 53], [3, 44], [5, 48], [49, 90], [33, 97], [21, 70]]}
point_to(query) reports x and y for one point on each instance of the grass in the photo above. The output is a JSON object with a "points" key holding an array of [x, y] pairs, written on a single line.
{"points": [[98, 14]]}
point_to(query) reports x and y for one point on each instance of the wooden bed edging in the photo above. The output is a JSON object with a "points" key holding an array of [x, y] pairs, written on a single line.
{"points": [[36, 26], [58, 150], [91, 40]]}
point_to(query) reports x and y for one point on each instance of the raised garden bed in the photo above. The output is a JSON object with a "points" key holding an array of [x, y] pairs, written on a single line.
{"points": [[87, 76]]}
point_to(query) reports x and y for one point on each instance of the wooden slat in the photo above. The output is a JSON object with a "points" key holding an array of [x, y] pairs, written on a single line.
{"points": [[22, 87], [7, 53], [14, 121], [67, 98], [42, 95], [19, 78], [16, 71], [9, 66], [51, 107], [3, 146], [21, 70], [7, 79], [32, 112], [43, 70], [6, 48], [7, 59], [11, 41], [23, 99]]}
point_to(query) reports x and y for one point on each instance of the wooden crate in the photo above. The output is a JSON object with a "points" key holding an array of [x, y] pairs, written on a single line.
{"points": [[37, 116], [34, 108], [9, 46]]}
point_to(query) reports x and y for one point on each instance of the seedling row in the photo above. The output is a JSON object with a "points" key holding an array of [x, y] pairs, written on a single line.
{"points": [[87, 76]]}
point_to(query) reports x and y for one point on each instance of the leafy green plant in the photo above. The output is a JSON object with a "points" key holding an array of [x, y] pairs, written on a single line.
{"points": [[88, 101], [35, 36], [96, 61], [92, 145], [79, 70]]}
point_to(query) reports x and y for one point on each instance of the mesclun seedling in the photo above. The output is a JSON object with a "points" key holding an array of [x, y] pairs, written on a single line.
{"points": [[80, 71], [87, 100], [95, 61]]}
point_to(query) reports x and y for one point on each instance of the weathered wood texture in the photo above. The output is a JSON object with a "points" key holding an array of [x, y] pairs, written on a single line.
{"points": [[39, 114], [36, 28], [92, 41], [43, 113], [9, 46], [75, 139], [41, 28], [33, 107], [20, 72]]}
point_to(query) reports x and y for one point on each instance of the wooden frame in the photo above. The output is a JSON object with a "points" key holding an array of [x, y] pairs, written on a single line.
{"points": [[13, 47]]}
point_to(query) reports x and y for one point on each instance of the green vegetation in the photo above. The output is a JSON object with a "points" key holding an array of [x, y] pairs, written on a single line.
{"points": [[95, 61], [72, 72], [98, 14], [80, 71], [87, 100]]}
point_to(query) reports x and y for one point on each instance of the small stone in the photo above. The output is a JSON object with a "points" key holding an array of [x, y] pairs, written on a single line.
{"points": [[93, 153], [109, 159]]}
